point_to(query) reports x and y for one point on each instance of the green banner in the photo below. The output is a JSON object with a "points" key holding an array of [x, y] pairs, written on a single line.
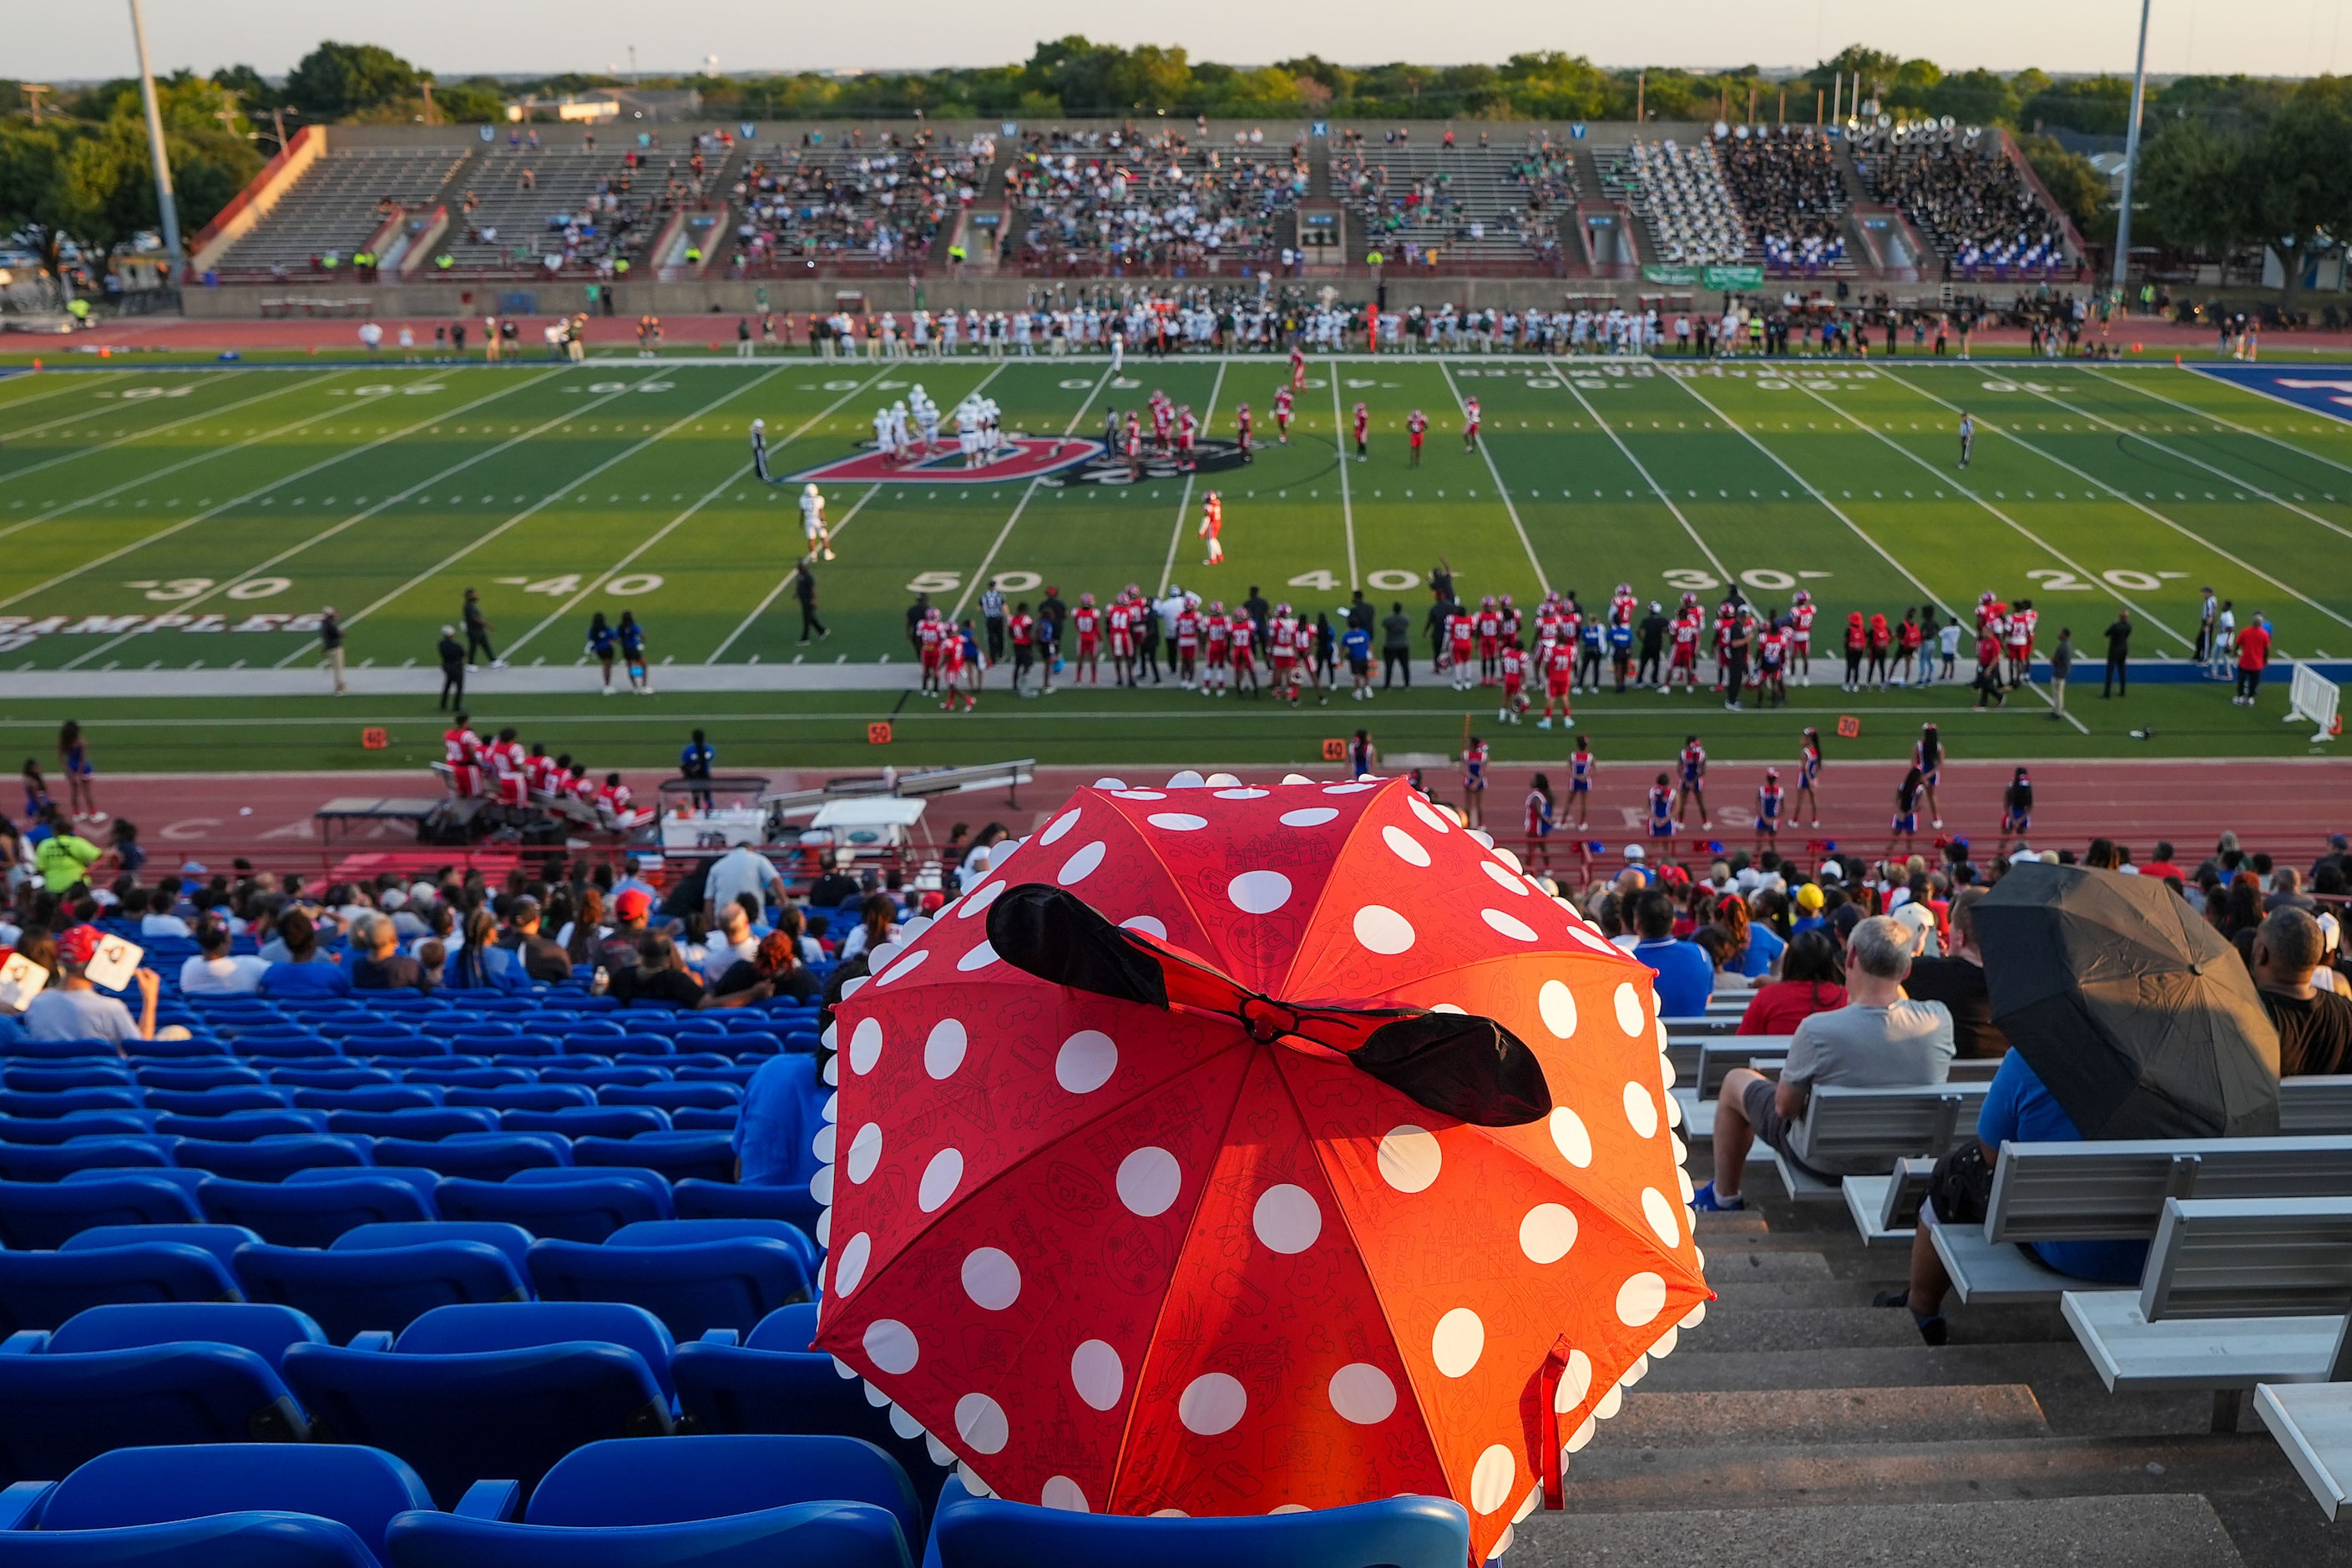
{"points": [[1672, 277], [1728, 278], [1732, 277]]}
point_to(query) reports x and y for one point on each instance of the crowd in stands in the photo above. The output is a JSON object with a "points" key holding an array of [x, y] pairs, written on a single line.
{"points": [[1787, 186], [1449, 196], [815, 203], [1681, 191], [1968, 194], [1154, 202]]}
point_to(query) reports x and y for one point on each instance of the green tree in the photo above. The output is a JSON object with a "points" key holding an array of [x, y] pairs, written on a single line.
{"points": [[1975, 98], [2301, 170], [2192, 182], [2079, 191], [335, 81], [1151, 76], [2097, 105]]}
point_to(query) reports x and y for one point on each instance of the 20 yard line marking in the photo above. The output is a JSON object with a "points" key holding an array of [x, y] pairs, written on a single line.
{"points": [[1184, 502], [1023, 505], [1627, 453], [1542, 581]]}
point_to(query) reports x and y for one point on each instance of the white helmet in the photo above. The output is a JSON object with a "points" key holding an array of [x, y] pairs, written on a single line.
{"points": [[812, 488], [759, 425]]}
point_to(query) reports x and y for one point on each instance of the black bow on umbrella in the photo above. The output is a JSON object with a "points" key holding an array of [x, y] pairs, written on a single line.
{"points": [[1469, 1068]]}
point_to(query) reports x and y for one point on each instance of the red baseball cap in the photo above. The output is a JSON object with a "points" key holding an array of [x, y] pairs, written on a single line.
{"points": [[79, 944], [632, 904]]}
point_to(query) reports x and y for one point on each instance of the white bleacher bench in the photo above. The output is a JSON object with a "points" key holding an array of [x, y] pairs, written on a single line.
{"points": [[1702, 1024], [2312, 1422], [2237, 1291], [1007, 776], [1875, 1126], [2116, 1192], [2316, 1104]]}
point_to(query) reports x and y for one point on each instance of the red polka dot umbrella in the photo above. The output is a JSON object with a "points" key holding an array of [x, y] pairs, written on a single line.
{"points": [[1234, 1151]]}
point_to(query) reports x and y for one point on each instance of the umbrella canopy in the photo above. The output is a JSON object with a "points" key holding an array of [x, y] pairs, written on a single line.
{"points": [[1295, 1150], [2136, 1015]]}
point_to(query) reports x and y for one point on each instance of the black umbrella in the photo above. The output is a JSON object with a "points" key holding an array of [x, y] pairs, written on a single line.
{"points": [[2136, 1015]]}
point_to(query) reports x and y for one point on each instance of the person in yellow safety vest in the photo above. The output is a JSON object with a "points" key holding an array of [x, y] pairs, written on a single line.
{"points": [[955, 253], [79, 310], [621, 265], [329, 261], [693, 256], [444, 262]]}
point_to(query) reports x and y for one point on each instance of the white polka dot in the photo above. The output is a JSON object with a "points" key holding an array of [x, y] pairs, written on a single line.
{"points": [[1568, 1136], [1527, 1505], [1694, 1317], [1222, 781], [1508, 881], [1110, 784], [1547, 1232], [820, 1184], [980, 957], [1169, 1514], [1405, 846], [864, 1045], [865, 1152], [827, 1137], [1363, 1393], [1484, 839], [1556, 1003], [1297, 779], [1575, 1382], [906, 1426], [1287, 1507], [1309, 816], [1432, 818], [992, 1278], [943, 1051], [1502, 1543], [1351, 788], [1096, 1375], [1611, 1403], [1058, 827], [1081, 866], [972, 1482], [850, 1267], [1640, 1300], [1660, 1211], [1243, 794], [854, 984], [1491, 1478], [1259, 892], [1185, 778], [1583, 1436], [1596, 941], [890, 1345], [1064, 1493], [1125, 794], [1086, 1061], [1510, 926], [981, 1424], [825, 1228], [1212, 1404], [1149, 1181], [1410, 1158], [1640, 1110], [1630, 1014], [905, 967], [1286, 1219], [1177, 821], [1150, 925], [1382, 929], [1449, 1008], [1507, 858], [981, 897], [941, 1179], [1459, 1342], [1666, 1343], [1666, 1070]]}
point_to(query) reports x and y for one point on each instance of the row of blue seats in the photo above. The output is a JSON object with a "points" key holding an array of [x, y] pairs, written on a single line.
{"points": [[472, 1071], [136, 1105], [709, 1501], [277, 1156], [306, 1046]]}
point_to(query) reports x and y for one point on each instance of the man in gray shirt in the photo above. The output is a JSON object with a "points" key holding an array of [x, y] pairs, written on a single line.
{"points": [[1879, 1040], [1396, 648]]}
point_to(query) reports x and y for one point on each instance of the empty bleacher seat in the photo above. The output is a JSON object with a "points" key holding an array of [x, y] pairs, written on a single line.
{"points": [[51, 1103], [76, 1124], [709, 1155], [313, 1214], [34, 1080], [198, 1077], [373, 1097], [244, 1126], [484, 1156], [351, 1289], [588, 1121], [688, 1232], [693, 1287], [44, 1213], [586, 1211], [186, 1180], [698, 1199], [672, 1096], [220, 1240], [1402, 1532], [42, 1289], [522, 1096], [422, 1123], [510, 1240]]}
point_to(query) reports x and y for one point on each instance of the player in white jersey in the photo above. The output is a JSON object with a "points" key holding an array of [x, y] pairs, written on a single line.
{"points": [[812, 523], [927, 415], [883, 444], [760, 450], [902, 440], [967, 422]]}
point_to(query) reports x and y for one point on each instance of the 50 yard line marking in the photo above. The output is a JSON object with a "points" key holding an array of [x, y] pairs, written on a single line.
{"points": [[1185, 501], [1542, 581], [1022, 505], [1627, 453], [1347, 502]]}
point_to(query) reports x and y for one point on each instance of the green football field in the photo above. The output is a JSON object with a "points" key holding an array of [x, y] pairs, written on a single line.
{"points": [[156, 520]]}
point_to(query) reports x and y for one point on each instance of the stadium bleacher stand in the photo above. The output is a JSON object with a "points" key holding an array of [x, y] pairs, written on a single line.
{"points": [[1098, 203], [568, 206], [1678, 191], [1419, 203], [1965, 192], [848, 204], [339, 201], [1788, 189]]}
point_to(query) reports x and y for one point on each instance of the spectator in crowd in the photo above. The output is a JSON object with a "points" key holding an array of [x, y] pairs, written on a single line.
{"points": [[580, 938], [160, 919], [775, 962], [542, 960], [877, 922], [62, 857], [72, 1009], [215, 970], [382, 966], [777, 1127], [1812, 980], [731, 944], [305, 971], [1758, 947], [2287, 885], [740, 870], [2314, 1025], [1685, 974], [618, 952], [836, 886], [481, 964], [1958, 981], [662, 976], [1880, 1039]]}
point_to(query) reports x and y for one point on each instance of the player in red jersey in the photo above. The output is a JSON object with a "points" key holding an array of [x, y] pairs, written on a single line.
{"points": [[2017, 641], [1282, 643], [505, 757], [1131, 442], [1240, 638], [1857, 642], [1470, 424], [929, 634], [1188, 645], [1800, 636], [1188, 430], [1163, 418], [1282, 415], [462, 750], [1513, 662], [1907, 647], [1217, 633], [1510, 614], [1242, 429], [1559, 674], [1087, 622], [1881, 641], [1297, 368], [1682, 667], [1363, 424], [1417, 425], [1125, 617], [953, 658], [1772, 665], [1490, 639], [1213, 527], [1022, 627], [1460, 635]]}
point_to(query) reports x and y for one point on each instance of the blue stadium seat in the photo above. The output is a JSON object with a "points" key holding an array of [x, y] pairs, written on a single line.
{"points": [[44, 1213], [586, 1211], [754, 1043], [220, 1240], [376, 1097], [775, 1382], [510, 1240], [523, 1096], [423, 1180], [693, 1232], [673, 1096], [244, 1126], [677, 1155], [47, 1130], [300, 1045], [42, 1289], [422, 1123], [51, 1103], [740, 1074], [186, 1180], [264, 1330], [351, 1289], [719, 1501], [481, 1156], [312, 1213], [588, 1121], [596, 1074], [638, 1042], [218, 1100], [698, 1199], [692, 1287], [34, 1080], [269, 1159], [686, 1119], [656, 1185], [360, 1490], [499, 1390], [65, 1050], [195, 1077], [1402, 1532]]}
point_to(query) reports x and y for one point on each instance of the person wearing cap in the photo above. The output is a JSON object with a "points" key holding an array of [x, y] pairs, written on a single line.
{"points": [[73, 1009], [1810, 901], [619, 951]]}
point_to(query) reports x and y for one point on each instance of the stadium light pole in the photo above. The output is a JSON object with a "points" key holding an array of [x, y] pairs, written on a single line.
{"points": [[164, 202], [2131, 157]]}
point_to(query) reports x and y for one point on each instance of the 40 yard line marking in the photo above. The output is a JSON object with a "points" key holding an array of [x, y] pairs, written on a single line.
{"points": [[777, 592], [1022, 505], [1346, 502], [1542, 581], [1184, 502], [1627, 453]]}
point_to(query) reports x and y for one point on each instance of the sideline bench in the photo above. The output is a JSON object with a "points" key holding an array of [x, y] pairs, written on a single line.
{"points": [[2116, 1192], [2237, 1291]]}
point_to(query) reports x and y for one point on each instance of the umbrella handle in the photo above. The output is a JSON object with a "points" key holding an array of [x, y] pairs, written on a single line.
{"points": [[1547, 1423]]}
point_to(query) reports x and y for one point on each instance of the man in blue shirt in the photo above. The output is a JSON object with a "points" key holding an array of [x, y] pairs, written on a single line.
{"points": [[695, 763], [1356, 644], [2017, 1108], [1685, 974], [775, 1136]]}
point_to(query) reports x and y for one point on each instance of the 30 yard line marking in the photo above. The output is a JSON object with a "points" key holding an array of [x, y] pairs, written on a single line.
{"points": [[835, 531], [531, 511], [1022, 505], [1655, 489], [1184, 502], [2137, 505], [2129, 383], [1346, 502], [1542, 581]]}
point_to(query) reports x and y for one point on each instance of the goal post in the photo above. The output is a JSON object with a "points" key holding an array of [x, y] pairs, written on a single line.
{"points": [[2312, 697]]}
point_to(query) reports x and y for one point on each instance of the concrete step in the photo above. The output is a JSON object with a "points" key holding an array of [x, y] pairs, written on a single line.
{"points": [[1728, 1266], [2081, 1533], [1777, 1419], [1720, 1225], [1814, 1328], [1741, 1294]]}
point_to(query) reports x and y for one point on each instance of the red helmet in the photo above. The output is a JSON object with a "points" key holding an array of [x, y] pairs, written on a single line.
{"points": [[1087, 600]]}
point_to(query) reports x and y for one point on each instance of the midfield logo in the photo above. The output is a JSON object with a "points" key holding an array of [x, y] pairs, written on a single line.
{"points": [[1210, 456], [1017, 458]]}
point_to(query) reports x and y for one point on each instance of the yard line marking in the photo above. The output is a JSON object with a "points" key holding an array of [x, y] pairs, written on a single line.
{"points": [[1542, 581], [1816, 492], [1022, 504], [1655, 489], [531, 511], [75, 418], [2137, 505], [2055, 553], [773, 593], [1184, 502], [670, 527], [65, 384], [358, 517], [1346, 502], [2127, 383], [2176, 452], [206, 454], [169, 425]]}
